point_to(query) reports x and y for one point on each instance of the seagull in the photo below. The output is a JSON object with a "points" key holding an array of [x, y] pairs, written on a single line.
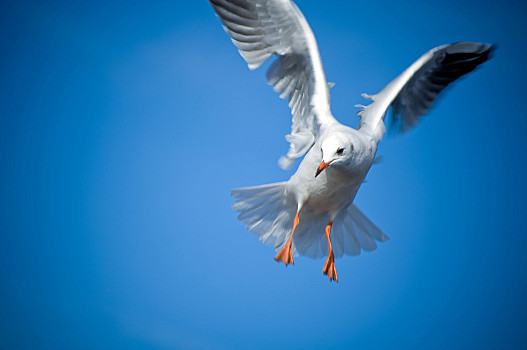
{"points": [[317, 201]]}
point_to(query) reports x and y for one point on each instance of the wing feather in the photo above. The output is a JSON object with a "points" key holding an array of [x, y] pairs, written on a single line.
{"points": [[264, 28], [413, 92]]}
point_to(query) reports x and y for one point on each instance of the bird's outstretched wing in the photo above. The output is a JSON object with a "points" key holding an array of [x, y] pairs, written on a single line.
{"points": [[413, 92], [264, 28]]}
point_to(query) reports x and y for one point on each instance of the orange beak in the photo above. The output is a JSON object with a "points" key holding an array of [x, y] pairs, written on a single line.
{"points": [[322, 166]]}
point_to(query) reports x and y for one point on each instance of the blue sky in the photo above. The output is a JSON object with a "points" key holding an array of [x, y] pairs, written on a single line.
{"points": [[123, 127]]}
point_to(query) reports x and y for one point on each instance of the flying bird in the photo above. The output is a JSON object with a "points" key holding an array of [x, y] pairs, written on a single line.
{"points": [[312, 214]]}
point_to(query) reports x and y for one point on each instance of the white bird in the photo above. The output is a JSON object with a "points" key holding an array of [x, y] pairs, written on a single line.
{"points": [[293, 215]]}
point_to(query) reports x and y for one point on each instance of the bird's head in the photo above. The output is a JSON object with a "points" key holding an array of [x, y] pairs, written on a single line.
{"points": [[337, 151]]}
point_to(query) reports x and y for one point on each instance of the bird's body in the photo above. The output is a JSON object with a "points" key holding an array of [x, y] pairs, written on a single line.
{"points": [[293, 215], [335, 188]]}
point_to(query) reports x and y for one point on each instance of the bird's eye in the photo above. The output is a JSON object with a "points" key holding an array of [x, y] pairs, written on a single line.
{"points": [[340, 151]]}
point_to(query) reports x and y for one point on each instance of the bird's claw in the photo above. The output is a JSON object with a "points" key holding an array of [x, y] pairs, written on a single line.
{"points": [[284, 255], [329, 268]]}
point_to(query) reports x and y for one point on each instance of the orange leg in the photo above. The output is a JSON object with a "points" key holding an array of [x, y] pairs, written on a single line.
{"points": [[329, 266], [284, 255]]}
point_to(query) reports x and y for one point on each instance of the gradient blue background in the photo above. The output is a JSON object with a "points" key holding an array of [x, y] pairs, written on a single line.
{"points": [[123, 127]]}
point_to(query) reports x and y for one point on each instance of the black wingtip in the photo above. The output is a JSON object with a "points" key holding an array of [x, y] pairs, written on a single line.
{"points": [[492, 49], [471, 48]]}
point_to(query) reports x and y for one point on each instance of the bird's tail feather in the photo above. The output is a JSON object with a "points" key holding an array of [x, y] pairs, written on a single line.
{"points": [[267, 213], [351, 232]]}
